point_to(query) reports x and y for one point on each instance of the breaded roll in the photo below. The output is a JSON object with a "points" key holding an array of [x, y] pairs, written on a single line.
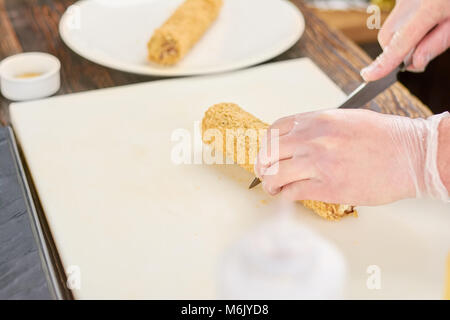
{"points": [[230, 117], [173, 40]]}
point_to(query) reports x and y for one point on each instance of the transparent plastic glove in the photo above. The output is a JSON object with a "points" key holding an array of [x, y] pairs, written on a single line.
{"points": [[418, 26], [357, 157]]}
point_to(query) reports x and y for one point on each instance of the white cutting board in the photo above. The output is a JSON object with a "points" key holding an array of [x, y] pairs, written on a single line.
{"points": [[139, 226]]}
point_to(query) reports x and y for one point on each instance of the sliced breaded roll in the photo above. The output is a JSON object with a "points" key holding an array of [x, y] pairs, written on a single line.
{"points": [[230, 117], [173, 40]]}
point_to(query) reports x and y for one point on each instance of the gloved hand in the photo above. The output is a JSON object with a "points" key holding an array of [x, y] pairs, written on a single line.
{"points": [[356, 157], [420, 25]]}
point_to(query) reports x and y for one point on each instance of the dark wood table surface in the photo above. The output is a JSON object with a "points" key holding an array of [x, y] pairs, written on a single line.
{"points": [[32, 25]]}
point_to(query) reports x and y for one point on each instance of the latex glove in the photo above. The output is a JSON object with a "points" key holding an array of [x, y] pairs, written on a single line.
{"points": [[356, 157], [420, 25]]}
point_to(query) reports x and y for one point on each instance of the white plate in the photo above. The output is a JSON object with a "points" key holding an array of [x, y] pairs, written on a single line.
{"points": [[114, 33]]}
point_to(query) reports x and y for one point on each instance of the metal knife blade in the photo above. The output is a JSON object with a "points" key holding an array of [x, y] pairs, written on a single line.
{"points": [[254, 183], [369, 90], [362, 95]]}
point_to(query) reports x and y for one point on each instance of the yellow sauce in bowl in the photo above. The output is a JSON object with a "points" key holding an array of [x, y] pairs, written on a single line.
{"points": [[28, 75]]}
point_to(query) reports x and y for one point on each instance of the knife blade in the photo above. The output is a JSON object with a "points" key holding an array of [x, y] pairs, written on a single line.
{"points": [[254, 183], [364, 94], [369, 90]]}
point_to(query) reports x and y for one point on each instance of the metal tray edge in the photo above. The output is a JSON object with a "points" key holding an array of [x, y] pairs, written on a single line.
{"points": [[54, 279]]}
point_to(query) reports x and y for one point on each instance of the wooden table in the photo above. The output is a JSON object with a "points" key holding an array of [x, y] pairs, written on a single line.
{"points": [[32, 25]]}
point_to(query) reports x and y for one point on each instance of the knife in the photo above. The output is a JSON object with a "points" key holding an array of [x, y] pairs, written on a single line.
{"points": [[365, 93]]}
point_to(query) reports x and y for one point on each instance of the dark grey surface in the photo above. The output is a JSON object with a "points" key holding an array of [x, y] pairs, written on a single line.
{"points": [[21, 272]]}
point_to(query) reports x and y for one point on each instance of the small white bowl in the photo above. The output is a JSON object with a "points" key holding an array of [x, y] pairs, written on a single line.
{"points": [[28, 76]]}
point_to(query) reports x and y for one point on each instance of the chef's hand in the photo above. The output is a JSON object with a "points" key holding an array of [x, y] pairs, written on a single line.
{"points": [[356, 157], [423, 25]]}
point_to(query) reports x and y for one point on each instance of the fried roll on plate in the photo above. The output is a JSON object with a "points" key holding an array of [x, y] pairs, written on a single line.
{"points": [[173, 40]]}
